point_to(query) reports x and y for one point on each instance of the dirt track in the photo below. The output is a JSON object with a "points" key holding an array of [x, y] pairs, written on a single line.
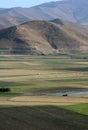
{"points": [[41, 100]]}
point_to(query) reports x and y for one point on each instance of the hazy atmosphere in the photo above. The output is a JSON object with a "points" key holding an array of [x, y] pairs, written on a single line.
{"points": [[22, 3]]}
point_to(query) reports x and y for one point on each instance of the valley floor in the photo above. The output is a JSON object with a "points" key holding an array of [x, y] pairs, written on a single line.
{"points": [[30, 105], [41, 100]]}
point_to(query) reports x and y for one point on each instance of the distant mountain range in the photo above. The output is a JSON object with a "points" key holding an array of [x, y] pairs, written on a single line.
{"points": [[69, 10], [44, 37]]}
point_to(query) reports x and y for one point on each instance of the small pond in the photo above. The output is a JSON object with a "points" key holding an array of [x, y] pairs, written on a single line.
{"points": [[71, 93]]}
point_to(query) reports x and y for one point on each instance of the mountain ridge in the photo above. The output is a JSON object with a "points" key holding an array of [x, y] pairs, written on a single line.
{"points": [[42, 37], [69, 10]]}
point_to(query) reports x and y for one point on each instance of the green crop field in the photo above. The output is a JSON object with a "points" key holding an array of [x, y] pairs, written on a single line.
{"points": [[80, 108]]}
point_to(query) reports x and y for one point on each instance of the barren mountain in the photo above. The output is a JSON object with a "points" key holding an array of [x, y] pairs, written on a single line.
{"points": [[13, 16], [70, 10], [8, 21], [42, 37]]}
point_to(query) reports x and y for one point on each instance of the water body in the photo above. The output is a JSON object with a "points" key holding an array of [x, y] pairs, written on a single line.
{"points": [[72, 93]]}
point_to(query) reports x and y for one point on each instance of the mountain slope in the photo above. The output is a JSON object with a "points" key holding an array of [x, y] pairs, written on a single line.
{"points": [[8, 21], [70, 10], [42, 37]]}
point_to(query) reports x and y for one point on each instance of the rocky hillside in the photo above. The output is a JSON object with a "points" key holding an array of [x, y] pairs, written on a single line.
{"points": [[42, 37]]}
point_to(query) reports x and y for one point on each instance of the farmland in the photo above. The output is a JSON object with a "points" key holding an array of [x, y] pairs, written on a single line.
{"points": [[27, 74], [41, 117], [32, 81], [80, 108]]}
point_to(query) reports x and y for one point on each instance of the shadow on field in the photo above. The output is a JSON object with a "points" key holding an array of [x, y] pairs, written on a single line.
{"points": [[78, 69], [41, 118], [73, 69], [3, 83]]}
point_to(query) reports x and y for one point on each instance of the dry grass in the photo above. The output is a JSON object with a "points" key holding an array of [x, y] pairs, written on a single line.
{"points": [[15, 75], [84, 63], [41, 100]]}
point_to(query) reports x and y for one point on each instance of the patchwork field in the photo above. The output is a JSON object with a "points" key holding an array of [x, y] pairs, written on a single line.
{"points": [[40, 75], [32, 81]]}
